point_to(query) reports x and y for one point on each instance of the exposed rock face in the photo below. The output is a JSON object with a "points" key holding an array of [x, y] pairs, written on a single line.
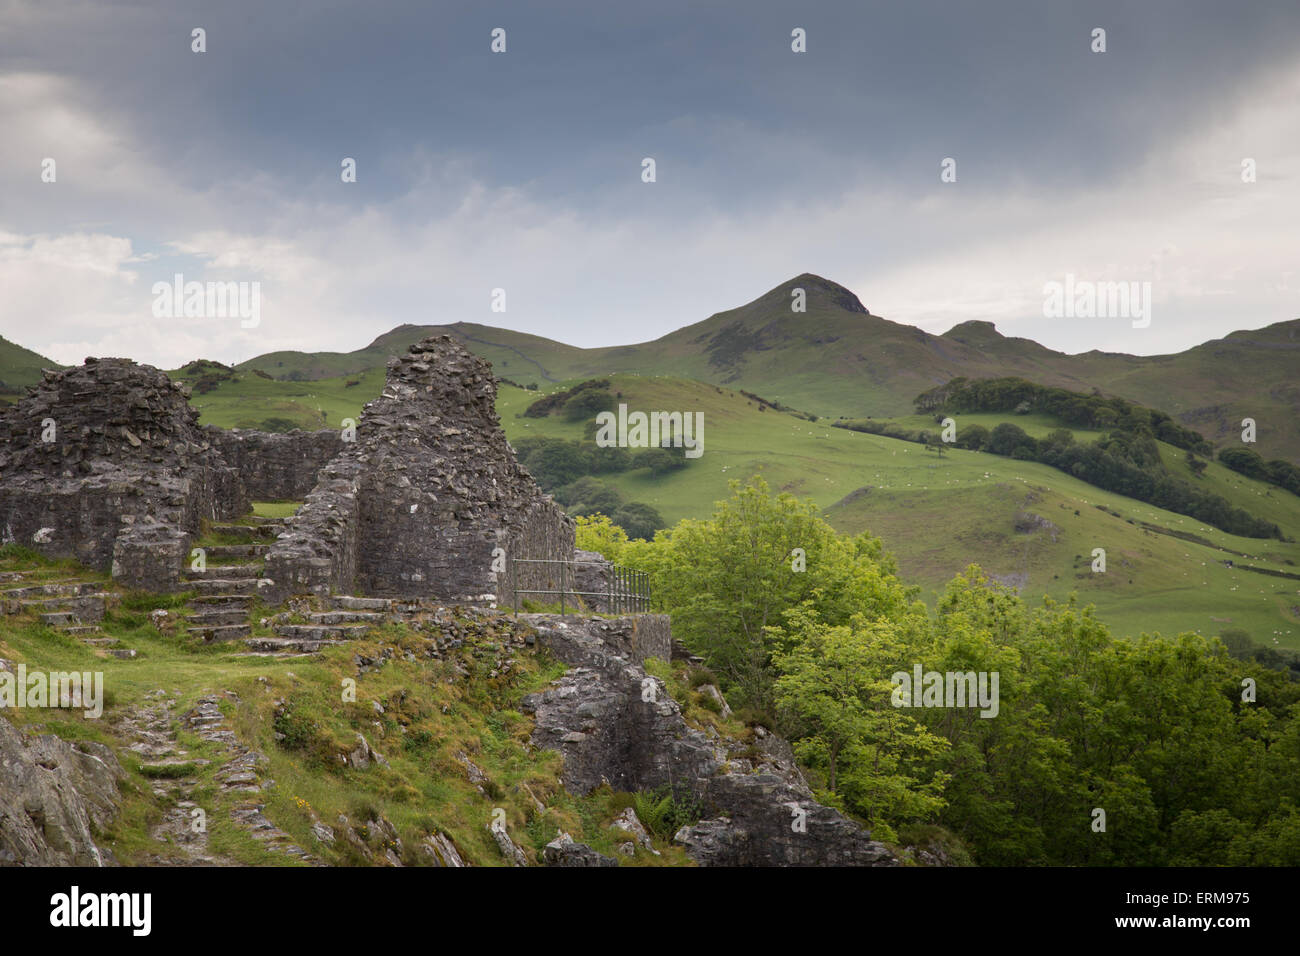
{"points": [[54, 796], [106, 463], [565, 851], [615, 724], [418, 503], [276, 465]]}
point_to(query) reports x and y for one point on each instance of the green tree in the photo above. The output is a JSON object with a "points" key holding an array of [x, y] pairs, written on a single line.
{"points": [[730, 577], [660, 461], [587, 403], [638, 520], [834, 694]]}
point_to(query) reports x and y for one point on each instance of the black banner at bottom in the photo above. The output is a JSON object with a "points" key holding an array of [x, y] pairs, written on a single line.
{"points": [[337, 905]]}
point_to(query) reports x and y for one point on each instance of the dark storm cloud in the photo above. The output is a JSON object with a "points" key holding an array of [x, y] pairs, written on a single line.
{"points": [[710, 90]]}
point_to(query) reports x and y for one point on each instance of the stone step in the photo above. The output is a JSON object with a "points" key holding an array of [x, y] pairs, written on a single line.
{"points": [[346, 617], [225, 571], [267, 519], [279, 645], [126, 653], [56, 618], [214, 634], [53, 589], [250, 533], [215, 617], [322, 632], [347, 602], [225, 587], [278, 655], [101, 641], [81, 629], [214, 602], [86, 609], [230, 552]]}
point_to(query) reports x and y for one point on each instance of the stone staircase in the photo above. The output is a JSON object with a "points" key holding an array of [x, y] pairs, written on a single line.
{"points": [[70, 606], [346, 618], [220, 609]]}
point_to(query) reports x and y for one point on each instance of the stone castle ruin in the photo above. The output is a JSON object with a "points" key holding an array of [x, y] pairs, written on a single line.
{"points": [[427, 500], [106, 463]]}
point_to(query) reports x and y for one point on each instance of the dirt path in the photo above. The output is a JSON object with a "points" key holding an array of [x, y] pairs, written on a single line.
{"points": [[153, 729]]}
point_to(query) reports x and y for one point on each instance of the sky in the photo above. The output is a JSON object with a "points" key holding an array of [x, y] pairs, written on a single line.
{"points": [[522, 170]]}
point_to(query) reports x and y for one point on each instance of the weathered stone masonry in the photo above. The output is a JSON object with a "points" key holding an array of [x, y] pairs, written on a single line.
{"points": [[419, 503], [276, 466], [106, 463], [417, 506]]}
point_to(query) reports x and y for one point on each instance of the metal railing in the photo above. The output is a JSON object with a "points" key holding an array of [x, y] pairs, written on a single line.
{"points": [[625, 591]]}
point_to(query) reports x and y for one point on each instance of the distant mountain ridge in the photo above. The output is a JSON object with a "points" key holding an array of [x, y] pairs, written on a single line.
{"points": [[837, 358]]}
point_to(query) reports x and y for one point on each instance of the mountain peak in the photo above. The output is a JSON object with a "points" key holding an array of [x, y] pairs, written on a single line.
{"points": [[974, 332], [821, 290]]}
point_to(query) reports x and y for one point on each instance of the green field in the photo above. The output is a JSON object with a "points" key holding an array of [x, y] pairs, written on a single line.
{"points": [[247, 400], [939, 513]]}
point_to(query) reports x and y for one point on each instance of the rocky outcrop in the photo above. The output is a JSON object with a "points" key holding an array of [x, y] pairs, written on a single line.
{"points": [[616, 724], [595, 641], [55, 797], [565, 851], [105, 451], [419, 504]]}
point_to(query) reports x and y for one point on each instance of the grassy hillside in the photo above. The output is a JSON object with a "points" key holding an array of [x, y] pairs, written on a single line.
{"points": [[515, 355], [430, 714], [248, 400], [1165, 571], [19, 367]]}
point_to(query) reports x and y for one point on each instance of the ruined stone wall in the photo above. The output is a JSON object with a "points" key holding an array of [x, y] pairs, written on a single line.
{"points": [[276, 465], [105, 448], [435, 489], [317, 552]]}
